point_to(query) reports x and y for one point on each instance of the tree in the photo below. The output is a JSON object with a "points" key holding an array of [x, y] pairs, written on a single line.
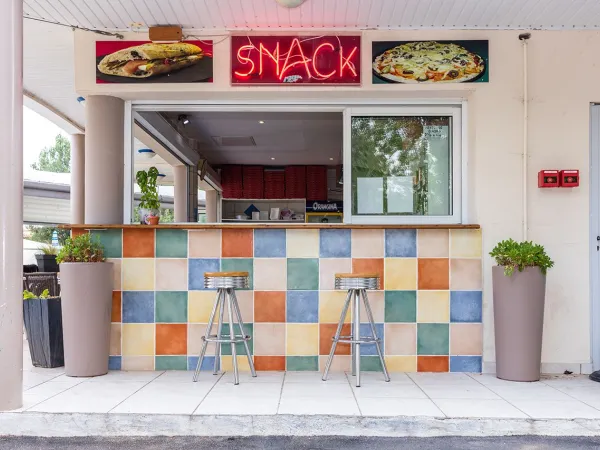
{"points": [[44, 234], [56, 158]]}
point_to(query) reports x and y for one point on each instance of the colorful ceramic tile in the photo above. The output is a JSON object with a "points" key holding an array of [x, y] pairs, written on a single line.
{"points": [[269, 339], [196, 270], [368, 243], [465, 274], [138, 274], [240, 349], [302, 363], [114, 363], [116, 307], [138, 307], [365, 330], [335, 243], [401, 363], [269, 306], [116, 273], [137, 363], [242, 362], [400, 243], [111, 240], [401, 339], [434, 273], [245, 299], [171, 274], [465, 243], [138, 243], [237, 243], [269, 243], [465, 306], [171, 306], [194, 339], [207, 363], [400, 274], [369, 266], [327, 332], [240, 265], [204, 243], [115, 339], [432, 364], [303, 274], [302, 339], [328, 267], [171, 339], [433, 339], [433, 306], [302, 243], [78, 232], [269, 363], [331, 304], [171, 243], [270, 274], [377, 303], [470, 364], [466, 339], [401, 306], [341, 363], [170, 363], [370, 364], [302, 307], [200, 305], [137, 339], [433, 243]]}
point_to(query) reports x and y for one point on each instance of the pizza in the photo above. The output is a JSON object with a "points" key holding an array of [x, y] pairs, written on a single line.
{"points": [[428, 62]]}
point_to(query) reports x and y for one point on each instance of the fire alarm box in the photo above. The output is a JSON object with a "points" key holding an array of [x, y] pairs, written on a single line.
{"points": [[548, 178], [569, 178]]}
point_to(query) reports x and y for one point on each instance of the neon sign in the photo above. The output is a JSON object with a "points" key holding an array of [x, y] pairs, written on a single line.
{"points": [[295, 60]]}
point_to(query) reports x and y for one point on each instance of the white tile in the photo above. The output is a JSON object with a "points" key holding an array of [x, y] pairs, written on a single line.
{"points": [[72, 381], [42, 370], [186, 376], [319, 389], [226, 389], [42, 392], [388, 390], [304, 377], [538, 391], [337, 406], [570, 381], [458, 391], [475, 408], [262, 377], [376, 407], [377, 378], [124, 375], [491, 379], [423, 379], [238, 406], [556, 409], [31, 379], [164, 398]]}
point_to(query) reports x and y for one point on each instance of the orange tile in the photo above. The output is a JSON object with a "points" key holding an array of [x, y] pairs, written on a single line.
{"points": [[171, 339], [77, 232], [369, 265], [138, 243], [269, 306], [116, 307], [237, 243], [326, 333], [434, 273], [269, 363], [432, 364]]}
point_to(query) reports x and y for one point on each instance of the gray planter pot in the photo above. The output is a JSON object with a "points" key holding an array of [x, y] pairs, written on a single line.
{"points": [[519, 322], [86, 291]]}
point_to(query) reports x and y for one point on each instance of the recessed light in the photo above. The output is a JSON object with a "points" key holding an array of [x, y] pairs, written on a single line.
{"points": [[261, 121], [330, 159], [183, 119], [272, 159]]}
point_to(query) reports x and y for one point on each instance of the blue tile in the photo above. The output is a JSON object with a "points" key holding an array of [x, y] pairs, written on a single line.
{"points": [[335, 243], [465, 306], [470, 364], [269, 244], [207, 363], [114, 363], [138, 307], [196, 270], [401, 243], [302, 307], [365, 330]]}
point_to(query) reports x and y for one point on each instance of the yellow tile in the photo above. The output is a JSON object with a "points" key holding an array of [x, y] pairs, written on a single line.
{"points": [[138, 274], [302, 243], [433, 306], [137, 363], [400, 274], [401, 363], [115, 339], [227, 363], [138, 339], [200, 305], [302, 339], [330, 306], [465, 243], [116, 273]]}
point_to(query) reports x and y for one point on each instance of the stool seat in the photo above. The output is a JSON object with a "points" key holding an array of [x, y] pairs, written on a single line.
{"points": [[225, 280], [356, 281], [225, 274]]}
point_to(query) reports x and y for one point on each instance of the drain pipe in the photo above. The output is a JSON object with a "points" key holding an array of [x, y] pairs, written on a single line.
{"points": [[524, 37]]}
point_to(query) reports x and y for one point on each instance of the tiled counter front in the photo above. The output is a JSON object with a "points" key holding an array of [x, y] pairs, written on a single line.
{"points": [[428, 315]]}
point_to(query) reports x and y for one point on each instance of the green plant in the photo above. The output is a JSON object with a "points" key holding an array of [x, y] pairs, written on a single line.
{"points": [[28, 295], [511, 254], [146, 180], [48, 250], [82, 248]]}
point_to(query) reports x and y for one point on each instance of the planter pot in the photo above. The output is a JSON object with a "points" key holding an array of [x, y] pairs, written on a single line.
{"points": [[43, 324], [47, 263], [519, 322], [147, 214], [86, 291]]}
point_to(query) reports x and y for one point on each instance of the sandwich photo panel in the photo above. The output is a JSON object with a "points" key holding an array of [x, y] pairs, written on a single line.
{"points": [[149, 62]]}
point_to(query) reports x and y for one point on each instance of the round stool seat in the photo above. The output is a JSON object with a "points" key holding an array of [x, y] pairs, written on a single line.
{"points": [[226, 280], [356, 281]]}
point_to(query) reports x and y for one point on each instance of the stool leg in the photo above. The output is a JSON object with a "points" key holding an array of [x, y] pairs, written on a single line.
{"points": [[236, 308], [217, 364], [205, 343], [336, 337], [236, 375], [357, 335], [386, 375], [353, 331]]}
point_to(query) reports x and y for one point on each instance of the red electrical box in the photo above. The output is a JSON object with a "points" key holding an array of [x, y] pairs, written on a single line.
{"points": [[569, 178], [548, 178]]}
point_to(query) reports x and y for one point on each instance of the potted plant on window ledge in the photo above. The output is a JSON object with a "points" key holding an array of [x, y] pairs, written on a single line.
{"points": [[149, 203]]}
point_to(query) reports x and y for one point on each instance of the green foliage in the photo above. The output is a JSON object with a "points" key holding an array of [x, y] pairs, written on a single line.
{"points": [[48, 249], [82, 248], [27, 295], [146, 180], [56, 158], [44, 234], [511, 254]]}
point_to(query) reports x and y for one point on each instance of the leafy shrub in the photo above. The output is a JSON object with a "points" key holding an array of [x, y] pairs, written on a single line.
{"points": [[511, 254], [81, 248], [146, 180], [28, 295], [48, 250]]}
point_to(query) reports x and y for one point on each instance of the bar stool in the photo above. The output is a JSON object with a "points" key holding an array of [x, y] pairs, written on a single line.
{"points": [[226, 283], [357, 285]]}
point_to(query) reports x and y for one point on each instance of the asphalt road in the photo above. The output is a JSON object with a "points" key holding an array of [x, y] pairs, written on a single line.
{"points": [[301, 443]]}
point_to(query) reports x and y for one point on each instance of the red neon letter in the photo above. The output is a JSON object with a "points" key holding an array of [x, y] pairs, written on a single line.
{"points": [[304, 61], [274, 56], [345, 62], [314, 61], [245, 59]]}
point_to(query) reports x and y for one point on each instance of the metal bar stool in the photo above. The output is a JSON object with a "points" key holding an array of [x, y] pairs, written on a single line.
{"points": [[357, 285], [226, 283]]}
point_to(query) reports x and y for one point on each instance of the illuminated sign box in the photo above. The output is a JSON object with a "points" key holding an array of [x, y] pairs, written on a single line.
{"points": [[295, 60]]}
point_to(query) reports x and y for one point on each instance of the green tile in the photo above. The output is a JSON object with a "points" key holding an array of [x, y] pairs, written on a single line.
{"points": [[370, 364], [170, 363], [240, 349], [401, 306], [111, 240], [303, 274], [171, 306], [171, 243], [239, 265], [432, 339], [300, 363]]}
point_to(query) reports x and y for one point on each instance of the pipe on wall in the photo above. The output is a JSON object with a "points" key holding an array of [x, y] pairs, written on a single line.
{"points": [[524, 37]]}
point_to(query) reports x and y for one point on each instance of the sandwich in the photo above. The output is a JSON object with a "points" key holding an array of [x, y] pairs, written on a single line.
{"points": [[147, 60]]}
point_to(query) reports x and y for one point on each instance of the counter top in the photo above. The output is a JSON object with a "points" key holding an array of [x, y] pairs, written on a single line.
{"points": [[250, 225]]}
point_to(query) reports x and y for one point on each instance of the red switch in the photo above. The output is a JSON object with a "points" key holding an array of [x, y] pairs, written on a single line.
{"points": [[548, 178], [569, 178]]}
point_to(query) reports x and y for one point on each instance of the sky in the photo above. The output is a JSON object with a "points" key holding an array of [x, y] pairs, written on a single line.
{"points": [[38, 132]]}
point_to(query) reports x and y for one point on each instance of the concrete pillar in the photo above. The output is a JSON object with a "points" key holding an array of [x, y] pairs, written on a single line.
{"points": [[211, 206], [104, 159], [11, 206], [77, 178], [180, 174]]}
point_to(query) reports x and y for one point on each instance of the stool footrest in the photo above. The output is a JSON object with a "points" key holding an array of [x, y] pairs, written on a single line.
{"points": [[360, 340], [237, 340]]}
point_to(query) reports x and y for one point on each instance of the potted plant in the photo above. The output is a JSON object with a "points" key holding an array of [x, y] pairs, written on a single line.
{"points": [[149, 203], [43, 324], [46, 259], [86, 291], [519, 285]]}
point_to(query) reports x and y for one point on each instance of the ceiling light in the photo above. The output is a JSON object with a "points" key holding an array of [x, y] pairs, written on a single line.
{"points": [[183, 119], [290, 3], [330, 159], [261, 121], [81, 100], [146, 153], [272, 159]]}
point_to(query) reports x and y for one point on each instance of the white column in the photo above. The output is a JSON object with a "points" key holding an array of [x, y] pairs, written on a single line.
{"points": [[77, 178], [11, 206], [211, 206], [180, 193]]}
